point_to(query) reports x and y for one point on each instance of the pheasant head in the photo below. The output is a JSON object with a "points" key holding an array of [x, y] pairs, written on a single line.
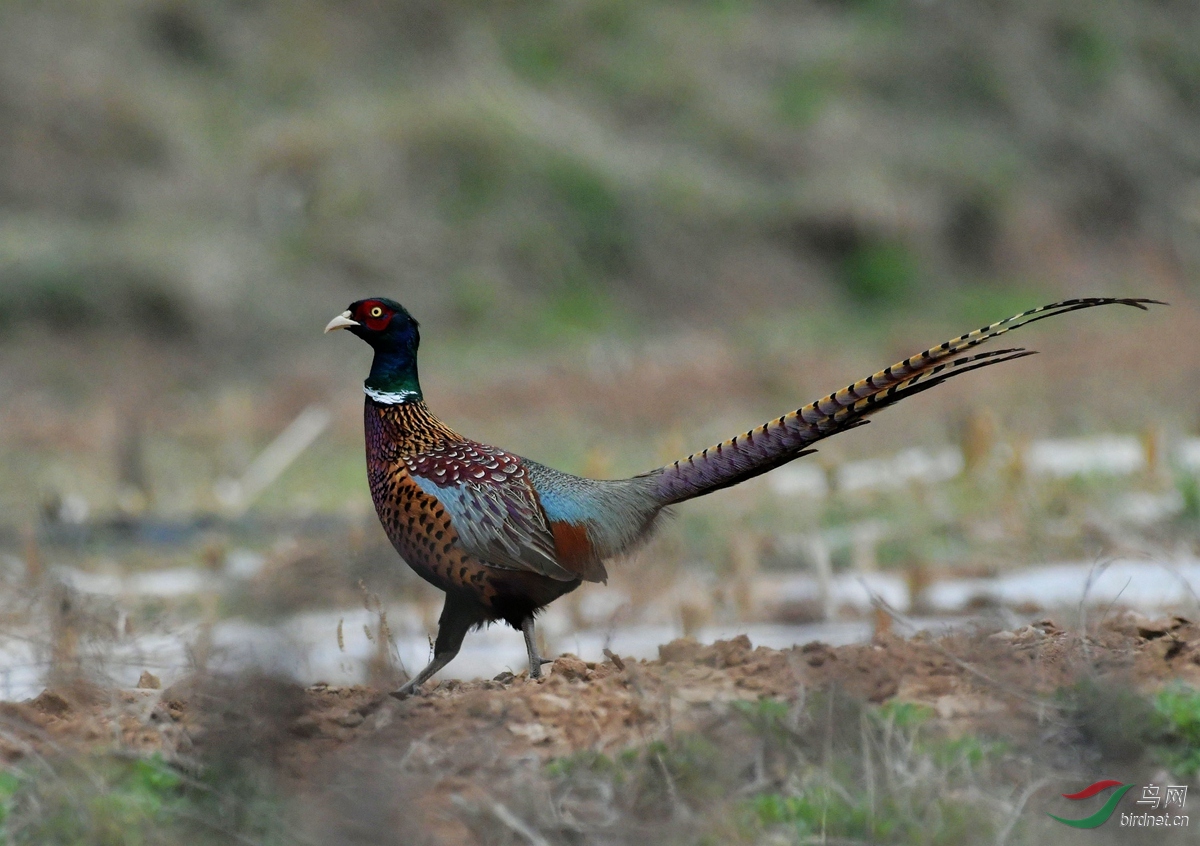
{"points": [[394, 335]]}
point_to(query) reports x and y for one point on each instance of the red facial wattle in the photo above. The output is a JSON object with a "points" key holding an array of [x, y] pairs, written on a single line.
{"points": [[374, 315]]}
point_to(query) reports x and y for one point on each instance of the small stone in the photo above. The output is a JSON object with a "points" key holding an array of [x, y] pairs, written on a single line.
{"points": [[817, 653], [504, 678], [731, 653], [383, 719], [533, 732], [305, 726], [149, 681], [549, 704], [615, 658], [684, 649], [51, 704], [959, 705], [571, 668]]}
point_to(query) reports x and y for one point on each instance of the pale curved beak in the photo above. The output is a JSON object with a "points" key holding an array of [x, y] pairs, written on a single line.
{"points": [[342, 321]]}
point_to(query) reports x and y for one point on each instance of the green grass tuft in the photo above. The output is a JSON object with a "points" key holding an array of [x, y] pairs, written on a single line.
{"points": [[905, 715], [100, 802], [1179, 706]]}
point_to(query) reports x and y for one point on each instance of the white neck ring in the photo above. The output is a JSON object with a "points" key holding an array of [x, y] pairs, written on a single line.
{"points": [[389, 397]]}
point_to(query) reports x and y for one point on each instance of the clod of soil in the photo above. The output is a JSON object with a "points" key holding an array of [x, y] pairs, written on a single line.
{"points": [[974, 681]]}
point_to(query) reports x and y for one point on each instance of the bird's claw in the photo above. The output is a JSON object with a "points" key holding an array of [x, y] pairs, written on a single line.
{"points": [[404, 691], [535, 666]]}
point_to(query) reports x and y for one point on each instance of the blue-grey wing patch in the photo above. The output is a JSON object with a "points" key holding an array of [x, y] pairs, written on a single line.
{"points": [[492, 506]]}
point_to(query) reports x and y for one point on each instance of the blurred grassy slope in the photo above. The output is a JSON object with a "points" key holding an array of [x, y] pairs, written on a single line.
{"points": [[211, 170], [644, 226]]}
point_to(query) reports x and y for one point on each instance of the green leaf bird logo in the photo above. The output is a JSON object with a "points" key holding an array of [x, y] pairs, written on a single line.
{"points": [[1101, 816]]}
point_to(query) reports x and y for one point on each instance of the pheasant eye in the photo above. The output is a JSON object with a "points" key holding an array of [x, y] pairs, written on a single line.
{"points": [[377, 312]]}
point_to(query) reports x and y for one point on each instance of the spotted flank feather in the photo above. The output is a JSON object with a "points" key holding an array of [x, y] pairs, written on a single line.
{"points": [[791, 436], [491, 503]]}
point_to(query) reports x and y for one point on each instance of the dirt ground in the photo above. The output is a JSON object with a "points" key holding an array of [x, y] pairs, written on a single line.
{"points": [[456, 739]]}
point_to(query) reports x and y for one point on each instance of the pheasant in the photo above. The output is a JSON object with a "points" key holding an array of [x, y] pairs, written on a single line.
{"points": [[504, 536]]}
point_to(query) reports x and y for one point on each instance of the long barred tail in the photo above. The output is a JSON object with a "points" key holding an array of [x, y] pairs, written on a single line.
{"points": [[791, 436]]}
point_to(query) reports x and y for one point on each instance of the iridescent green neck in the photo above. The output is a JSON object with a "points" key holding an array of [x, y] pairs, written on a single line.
{"points": [[393, 377]]}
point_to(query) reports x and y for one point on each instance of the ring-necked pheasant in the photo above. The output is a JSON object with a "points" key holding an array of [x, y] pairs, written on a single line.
{"points": [[504, 536]]}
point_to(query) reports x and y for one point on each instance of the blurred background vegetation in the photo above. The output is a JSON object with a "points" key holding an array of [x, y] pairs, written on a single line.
{"points": [[224, 171], [628, 228]]}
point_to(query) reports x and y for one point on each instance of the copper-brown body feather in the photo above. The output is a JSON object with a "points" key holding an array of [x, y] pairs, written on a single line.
{"points": [[421, 530]]}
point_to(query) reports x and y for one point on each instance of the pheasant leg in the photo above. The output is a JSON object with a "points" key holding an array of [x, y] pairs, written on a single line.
{"points": [[456, 620], [535, 660]]}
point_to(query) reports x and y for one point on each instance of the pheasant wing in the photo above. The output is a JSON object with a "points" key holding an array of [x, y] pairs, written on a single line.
{"points": [[492, 505]]}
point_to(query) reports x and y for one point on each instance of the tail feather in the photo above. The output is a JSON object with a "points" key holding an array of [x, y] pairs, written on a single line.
{"points": [[788, 437]]}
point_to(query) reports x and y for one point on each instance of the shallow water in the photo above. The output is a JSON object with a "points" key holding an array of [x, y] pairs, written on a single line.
{"points": [[1147, 586], [306, 646]]}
